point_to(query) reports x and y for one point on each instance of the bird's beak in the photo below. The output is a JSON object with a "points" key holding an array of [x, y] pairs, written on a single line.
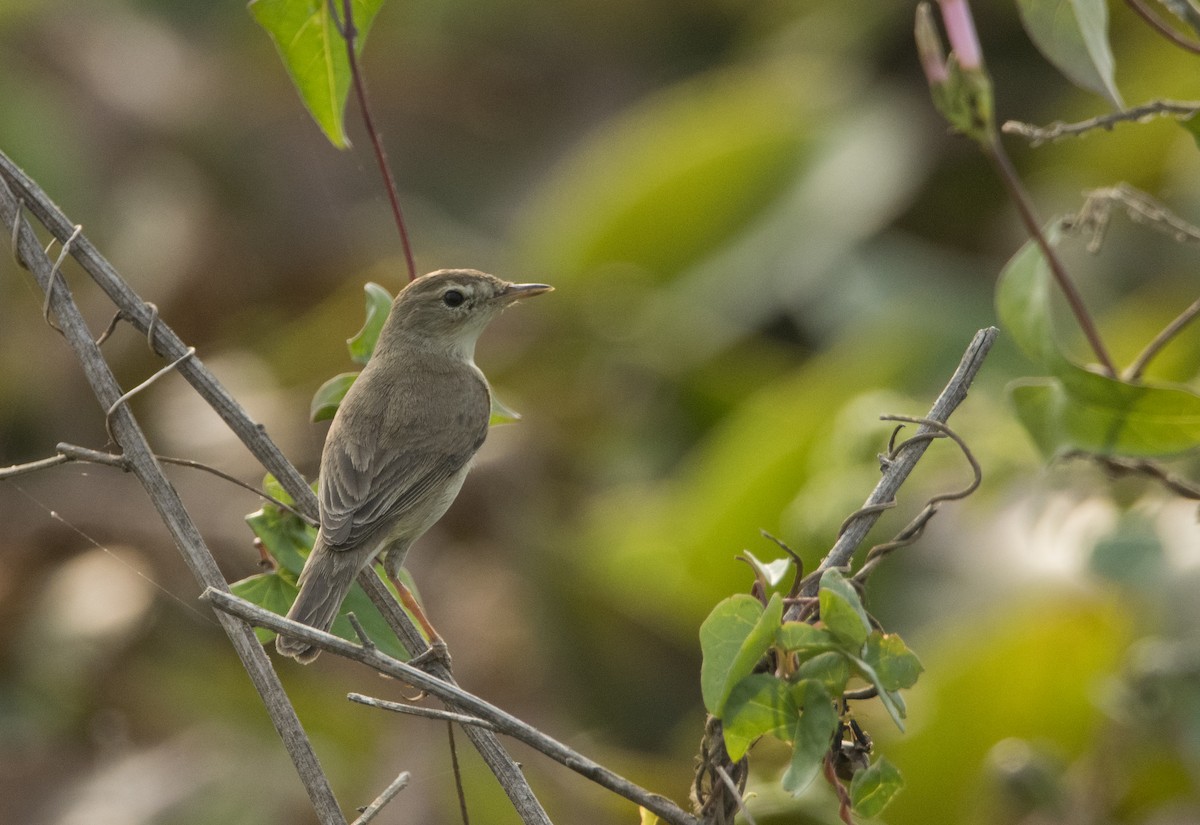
{"points": [[515, 292]]}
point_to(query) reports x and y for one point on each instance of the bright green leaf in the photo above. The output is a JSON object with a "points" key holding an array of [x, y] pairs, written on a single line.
{"points": [[830, 669], [1078, 409], [813, 735], [502, 414], [1192, 125], [379, 304], [329, 396], [1103, 415], [284, 536], [314, 54], [897, 666], [1073, 35], [841, 609], [733, 639], [759, 705], [872, 789], [268, 590]]}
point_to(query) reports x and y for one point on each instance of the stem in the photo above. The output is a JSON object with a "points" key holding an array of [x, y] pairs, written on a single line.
{"points": [[350, 35], [1008, 174], [1162, 28], [1161, 340]]}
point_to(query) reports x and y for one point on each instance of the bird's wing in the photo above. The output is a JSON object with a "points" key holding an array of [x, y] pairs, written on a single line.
{"points": [[376, 473]]}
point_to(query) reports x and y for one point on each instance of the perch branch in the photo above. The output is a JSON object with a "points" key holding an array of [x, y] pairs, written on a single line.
{"points": [[166, 500], [505, 722], [143, 316]]}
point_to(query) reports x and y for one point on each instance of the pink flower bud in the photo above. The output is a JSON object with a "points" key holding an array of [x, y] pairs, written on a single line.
{"points": [[929, 47], [960, 29]]}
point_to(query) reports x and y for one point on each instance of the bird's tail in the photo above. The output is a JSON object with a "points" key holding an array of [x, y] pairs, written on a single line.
{"points": [[324, 583]]}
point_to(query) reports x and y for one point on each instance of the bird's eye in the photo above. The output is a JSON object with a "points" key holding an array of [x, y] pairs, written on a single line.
{"points": [[452, 298]]}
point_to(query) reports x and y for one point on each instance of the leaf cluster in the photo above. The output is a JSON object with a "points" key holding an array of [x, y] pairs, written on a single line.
{"points": [[762, 676]]}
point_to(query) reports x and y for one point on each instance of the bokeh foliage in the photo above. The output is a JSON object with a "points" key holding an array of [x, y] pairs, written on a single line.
{"points": [[761, 237]]}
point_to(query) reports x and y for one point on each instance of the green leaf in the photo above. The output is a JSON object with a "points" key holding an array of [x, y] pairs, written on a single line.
{"points": [[759, 705], [871, 790], [379, 304], [314, 54], [812, 737], [1192, 125], [770, 572], [284, 536], [830, 669], [897, 666], [1077, 409], [502, 414], [842, 611], [329, 396], [1073, 35], [802, 636], [269, 590], [1102, 415], [733, 639], [890, 699]]}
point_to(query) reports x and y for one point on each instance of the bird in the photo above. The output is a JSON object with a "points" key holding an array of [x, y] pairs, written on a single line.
{"points": [[402, 440]]}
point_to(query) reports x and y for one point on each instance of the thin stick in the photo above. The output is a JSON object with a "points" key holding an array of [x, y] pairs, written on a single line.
{"points": [[505, 722], [144, 318], [389, 793], [191, 351], [898, 470], [741, 803], [417, 710]]}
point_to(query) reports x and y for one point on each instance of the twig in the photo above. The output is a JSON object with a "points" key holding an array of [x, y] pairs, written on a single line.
{"points": [[897, 470], [1037, 135], [1155, 22], [505, 722], [144, 317], [1114, 466], [1135, 370], [170, 508], [349, 33], [163, 340], [417, 710], [1142, 209], [389, 793], [131, 393], [915, 528], [741, 803]]}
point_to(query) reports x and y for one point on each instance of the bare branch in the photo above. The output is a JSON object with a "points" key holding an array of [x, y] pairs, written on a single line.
{"points": [[505, 722], [389, 793], [166, 500], [898, 470]]}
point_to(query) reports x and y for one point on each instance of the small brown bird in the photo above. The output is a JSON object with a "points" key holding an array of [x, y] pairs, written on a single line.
{"points": [[403, 438]]}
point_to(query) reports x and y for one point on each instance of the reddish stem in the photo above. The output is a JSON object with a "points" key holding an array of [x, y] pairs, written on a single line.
{"points": [[350, 34], [995, 151]]}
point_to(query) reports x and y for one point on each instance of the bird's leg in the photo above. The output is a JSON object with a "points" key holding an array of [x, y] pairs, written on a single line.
{"points": [[437, 649]]}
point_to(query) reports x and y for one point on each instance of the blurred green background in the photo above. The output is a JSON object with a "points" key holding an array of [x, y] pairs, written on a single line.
{"points": [[762, 238]]}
